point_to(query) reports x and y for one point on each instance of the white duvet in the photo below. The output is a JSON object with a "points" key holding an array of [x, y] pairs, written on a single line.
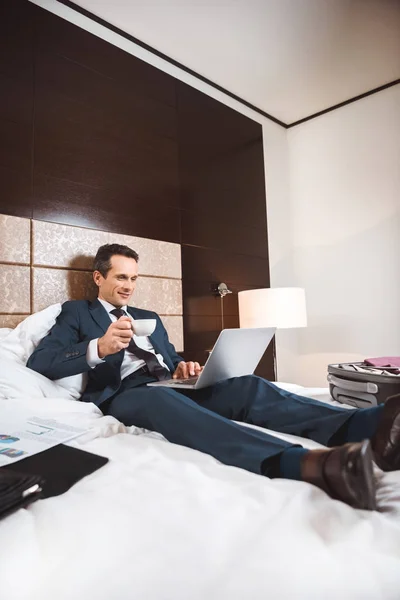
{"points": [[163, 522]]}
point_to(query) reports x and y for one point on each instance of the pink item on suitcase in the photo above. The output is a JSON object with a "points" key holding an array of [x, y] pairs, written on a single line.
{"points": [[383, 361]]}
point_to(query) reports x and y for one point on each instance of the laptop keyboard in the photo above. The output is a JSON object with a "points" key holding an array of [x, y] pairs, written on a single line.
{"points": [[186, 381]]}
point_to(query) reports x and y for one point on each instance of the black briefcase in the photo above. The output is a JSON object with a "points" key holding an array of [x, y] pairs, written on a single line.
{"points": [[48, 473], [60, 467], [362, 386], [17, 490]]}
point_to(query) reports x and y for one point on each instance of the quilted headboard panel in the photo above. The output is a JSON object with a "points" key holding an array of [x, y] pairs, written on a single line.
{"points": [[43, 263]]}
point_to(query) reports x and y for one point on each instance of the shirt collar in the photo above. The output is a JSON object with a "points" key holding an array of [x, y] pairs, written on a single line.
{"points": [[109, 307]]}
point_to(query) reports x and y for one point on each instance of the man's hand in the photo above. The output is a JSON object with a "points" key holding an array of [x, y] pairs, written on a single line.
{"points": [[116, 338], [187, 369]]}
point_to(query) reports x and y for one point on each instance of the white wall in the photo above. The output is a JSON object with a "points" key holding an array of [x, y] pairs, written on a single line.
{"points": [[345, 230]]}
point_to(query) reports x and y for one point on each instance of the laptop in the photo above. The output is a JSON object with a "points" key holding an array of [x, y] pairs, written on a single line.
{"points": [[236, 352]]}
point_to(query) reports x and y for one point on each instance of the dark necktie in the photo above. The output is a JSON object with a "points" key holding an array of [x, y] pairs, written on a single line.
{"points": [[154, 367]]}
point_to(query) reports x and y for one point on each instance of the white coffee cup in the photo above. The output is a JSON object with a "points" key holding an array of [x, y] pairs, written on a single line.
{"points": [[143, 326]]}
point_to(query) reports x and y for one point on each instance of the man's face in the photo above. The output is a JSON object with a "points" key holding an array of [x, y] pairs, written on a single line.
{"points": [[118, 286]]}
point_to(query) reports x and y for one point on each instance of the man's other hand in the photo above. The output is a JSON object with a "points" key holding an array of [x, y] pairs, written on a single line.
{"points": [[187, 369], [116, 338]]}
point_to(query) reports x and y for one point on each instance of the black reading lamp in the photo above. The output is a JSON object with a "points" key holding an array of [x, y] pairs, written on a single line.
{"points": [[223, 290]]}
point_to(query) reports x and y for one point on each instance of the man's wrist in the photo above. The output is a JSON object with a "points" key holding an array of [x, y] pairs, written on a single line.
{"points": [[92, 356], [100, 351]]}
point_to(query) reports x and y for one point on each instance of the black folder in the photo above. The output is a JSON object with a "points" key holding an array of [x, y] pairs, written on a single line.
{"points": [[48, 473]]}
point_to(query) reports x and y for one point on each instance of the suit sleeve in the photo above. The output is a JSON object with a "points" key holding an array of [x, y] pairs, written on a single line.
{"points": [[173, 356], [61, 353]]}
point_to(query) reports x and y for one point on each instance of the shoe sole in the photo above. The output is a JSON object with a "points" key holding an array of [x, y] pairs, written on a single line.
{"points": [[391, 412], [366, 464]]}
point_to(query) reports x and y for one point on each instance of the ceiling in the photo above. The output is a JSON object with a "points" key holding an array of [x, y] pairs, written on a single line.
{"points": [[290, 58]]}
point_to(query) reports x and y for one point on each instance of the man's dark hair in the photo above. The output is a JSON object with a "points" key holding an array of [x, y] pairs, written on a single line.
{"points": [[102, 260]]}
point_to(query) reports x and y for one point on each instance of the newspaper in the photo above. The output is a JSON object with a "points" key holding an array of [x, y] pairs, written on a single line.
{"points": [[22, 436]]}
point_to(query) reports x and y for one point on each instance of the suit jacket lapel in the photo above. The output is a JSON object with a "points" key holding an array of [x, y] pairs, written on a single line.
{"points": [[100, 315]]}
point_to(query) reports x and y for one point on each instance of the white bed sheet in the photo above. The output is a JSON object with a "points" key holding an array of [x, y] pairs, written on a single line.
{"points": [[163, 522]]}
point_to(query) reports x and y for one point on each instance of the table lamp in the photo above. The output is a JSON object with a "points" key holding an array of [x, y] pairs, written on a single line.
{"points": [[282, 308]]}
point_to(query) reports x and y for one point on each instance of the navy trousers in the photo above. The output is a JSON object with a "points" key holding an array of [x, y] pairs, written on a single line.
{"points": [[203, 419]]}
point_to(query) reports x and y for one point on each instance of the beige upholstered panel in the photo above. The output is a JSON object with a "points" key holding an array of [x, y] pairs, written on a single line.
{"points": [[11, 321], [15, 240], [58, 285], [15, 294], [164, 296], [57, 245], [60, 259], [174, 326], [160, 259]]}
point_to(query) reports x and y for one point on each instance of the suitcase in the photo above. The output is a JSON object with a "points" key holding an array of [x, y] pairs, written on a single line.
{"points": [[362, 388]]}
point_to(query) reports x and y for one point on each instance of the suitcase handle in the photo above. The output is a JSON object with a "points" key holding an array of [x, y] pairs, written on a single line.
{"points": [[354, 386], [367, 400]]}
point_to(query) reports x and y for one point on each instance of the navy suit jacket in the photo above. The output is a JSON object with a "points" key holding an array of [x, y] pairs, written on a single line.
{"points": [[63, 351]]}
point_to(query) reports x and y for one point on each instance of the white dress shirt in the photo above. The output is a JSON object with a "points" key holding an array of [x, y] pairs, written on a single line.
{"points": [[130, 363]]}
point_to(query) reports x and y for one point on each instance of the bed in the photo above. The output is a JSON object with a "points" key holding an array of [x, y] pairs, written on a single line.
{"points": [[162, 522]]}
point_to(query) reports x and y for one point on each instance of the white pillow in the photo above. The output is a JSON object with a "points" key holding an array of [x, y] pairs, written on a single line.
{"points": [[74, 384], [19, 343], [4, 331], [17, 381]]}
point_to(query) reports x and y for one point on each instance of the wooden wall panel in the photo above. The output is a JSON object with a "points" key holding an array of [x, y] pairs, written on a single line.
{"points": [[16, 107], [16, 35], [106, 149], [223, 216], [94, 137], [202, 228], [217, 265], [111, 104], [16, 191], [16, 99], [79, 46]]}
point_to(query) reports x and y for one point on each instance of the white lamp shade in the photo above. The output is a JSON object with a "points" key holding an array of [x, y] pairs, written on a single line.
{"points": [[273, 307]]}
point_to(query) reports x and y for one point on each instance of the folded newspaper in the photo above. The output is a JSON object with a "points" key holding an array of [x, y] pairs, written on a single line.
{"points": [[23, 434]]}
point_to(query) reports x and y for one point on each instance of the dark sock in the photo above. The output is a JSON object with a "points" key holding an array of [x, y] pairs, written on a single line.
{"points": [[290, 463], [285, 465], [361, 425]]}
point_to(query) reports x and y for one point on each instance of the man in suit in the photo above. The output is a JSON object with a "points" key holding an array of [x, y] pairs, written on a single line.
{"points": [[98, 338]]}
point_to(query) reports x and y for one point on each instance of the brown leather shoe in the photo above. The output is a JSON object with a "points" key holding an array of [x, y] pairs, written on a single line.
{"points": [[386, 441], [345, 473]]}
